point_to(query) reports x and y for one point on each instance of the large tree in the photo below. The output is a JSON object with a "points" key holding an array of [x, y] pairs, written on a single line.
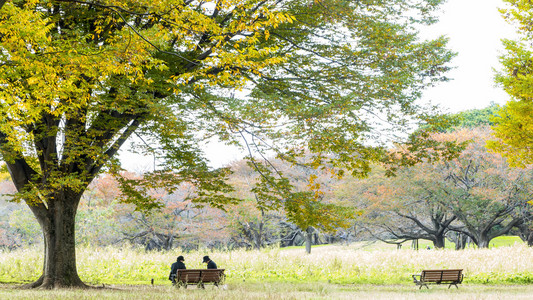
{"points": [[78, 78], [481, 190], [514, 122], [407, 206]]}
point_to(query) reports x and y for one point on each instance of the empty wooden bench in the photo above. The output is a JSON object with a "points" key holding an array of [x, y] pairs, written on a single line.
{"points": [[451, 277], [199, 277]]}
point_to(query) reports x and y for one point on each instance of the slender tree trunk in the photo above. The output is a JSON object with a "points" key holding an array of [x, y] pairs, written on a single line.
{"points": [[261, 226], [259, 236], [414, 244], [309, 238], [460, 241], [58, 226]]}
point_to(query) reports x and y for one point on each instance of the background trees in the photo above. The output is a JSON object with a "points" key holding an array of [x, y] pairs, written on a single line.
{"points": [[407, 207], [484, 191], [477, 194]]}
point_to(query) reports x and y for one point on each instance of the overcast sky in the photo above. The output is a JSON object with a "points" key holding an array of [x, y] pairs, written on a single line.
{"points": [[475, 29]]}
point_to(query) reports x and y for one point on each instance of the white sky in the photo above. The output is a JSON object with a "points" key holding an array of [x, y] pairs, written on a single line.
{"points": [[475, 29]]}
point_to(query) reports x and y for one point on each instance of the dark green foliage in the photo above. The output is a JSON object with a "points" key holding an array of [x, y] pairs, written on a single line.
{"points": [[477, 117]]}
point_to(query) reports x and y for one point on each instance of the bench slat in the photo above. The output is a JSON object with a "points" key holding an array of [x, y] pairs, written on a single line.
{"points": [[449, 276], [194, 276]]}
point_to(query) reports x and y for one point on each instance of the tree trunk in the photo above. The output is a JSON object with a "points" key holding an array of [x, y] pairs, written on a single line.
{"points": [[530, 240], [439, 242], [460, 241], [483, 241], [58, 226], [259, 236], [526, 233], [309, 239], [414, 244]]}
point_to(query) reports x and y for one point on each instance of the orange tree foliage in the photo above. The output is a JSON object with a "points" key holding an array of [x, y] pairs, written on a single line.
{"points": [[78, 78]]}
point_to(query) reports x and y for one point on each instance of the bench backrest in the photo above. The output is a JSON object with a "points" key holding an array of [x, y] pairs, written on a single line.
{"points": [[199, 275], [441, 275]]}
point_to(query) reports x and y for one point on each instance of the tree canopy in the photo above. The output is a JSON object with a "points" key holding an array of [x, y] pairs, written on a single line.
{"points": [[514, 123], [474, 118], [79, 78]]}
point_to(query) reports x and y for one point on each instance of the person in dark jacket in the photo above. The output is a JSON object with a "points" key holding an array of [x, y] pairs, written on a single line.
{"points": [[174, 268], [210, 264]]}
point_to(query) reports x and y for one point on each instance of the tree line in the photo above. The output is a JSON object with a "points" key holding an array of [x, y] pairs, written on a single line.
{"points": [[474, 197]]}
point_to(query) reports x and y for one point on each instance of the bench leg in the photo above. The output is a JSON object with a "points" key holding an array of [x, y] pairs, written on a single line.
{"points": [[453, 284]]}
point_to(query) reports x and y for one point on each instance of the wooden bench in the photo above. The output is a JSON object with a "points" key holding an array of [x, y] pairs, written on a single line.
{"points": [[199, 277], [452, 277]]}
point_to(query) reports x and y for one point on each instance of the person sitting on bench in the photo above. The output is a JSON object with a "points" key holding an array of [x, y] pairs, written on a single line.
{"points": [[210, 264], [179, 264]]}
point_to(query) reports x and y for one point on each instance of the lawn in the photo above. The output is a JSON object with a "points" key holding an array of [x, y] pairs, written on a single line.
{"points": [[280, 290]]}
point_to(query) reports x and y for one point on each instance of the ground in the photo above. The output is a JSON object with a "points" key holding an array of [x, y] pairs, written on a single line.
{"points": [[280, 291]]}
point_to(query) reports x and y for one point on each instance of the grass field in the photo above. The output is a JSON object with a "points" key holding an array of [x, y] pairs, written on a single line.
{"points": [[354, 264], [360, 270]]}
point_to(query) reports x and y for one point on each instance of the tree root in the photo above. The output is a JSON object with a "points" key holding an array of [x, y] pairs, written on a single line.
{"points": [[50, 284]]}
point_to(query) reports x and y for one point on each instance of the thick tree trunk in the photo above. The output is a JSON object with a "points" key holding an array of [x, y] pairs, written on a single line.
{"points": [[483, 243], [526, 233], [439, 242], [58, 226], [482, 240], [530, 240]]}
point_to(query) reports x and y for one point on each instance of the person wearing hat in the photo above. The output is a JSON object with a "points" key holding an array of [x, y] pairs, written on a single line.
{"points": [[174, 268], [210, 264]]}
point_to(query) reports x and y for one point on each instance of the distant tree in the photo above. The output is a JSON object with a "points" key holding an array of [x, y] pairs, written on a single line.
{"points": [[96, 225], [253, 227], [525, 227], [300, 192], [474, 118], [251, 223], [482, 190], [407, 206], [25, 228]]}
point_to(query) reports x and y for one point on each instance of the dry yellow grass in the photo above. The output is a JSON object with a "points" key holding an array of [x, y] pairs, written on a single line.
{"points": [[333, 264]]}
